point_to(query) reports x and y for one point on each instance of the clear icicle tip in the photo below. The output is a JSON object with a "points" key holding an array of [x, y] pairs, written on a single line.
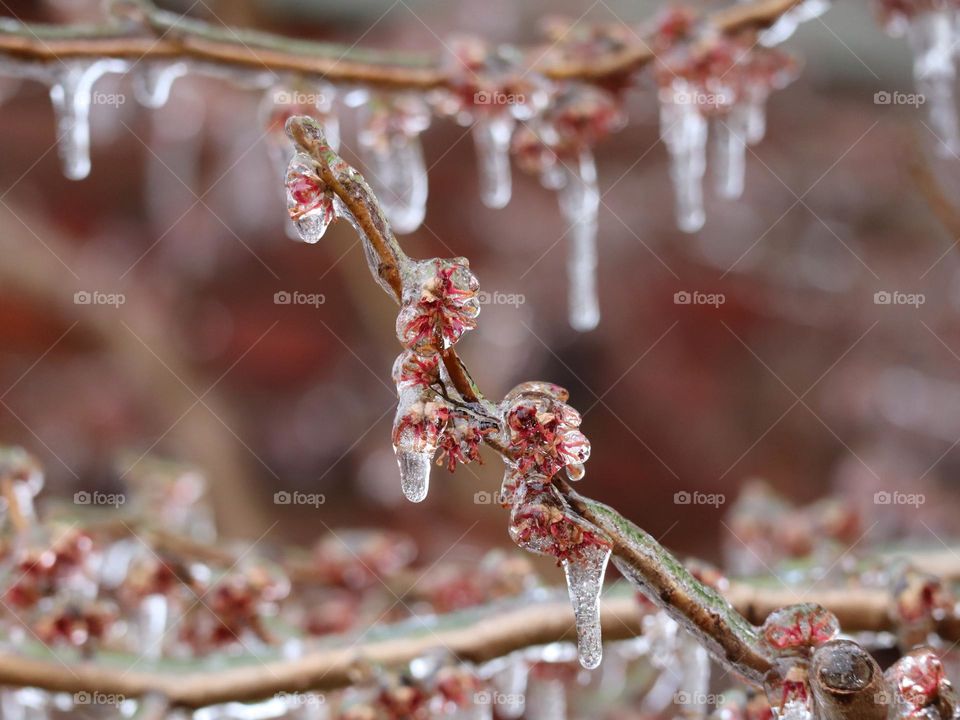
{"points": [[584, 582], [491, 137], [414, 474]]}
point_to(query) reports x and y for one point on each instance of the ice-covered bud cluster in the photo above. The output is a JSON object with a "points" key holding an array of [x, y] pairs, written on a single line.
{"points": [[797, 630], [439, 304], [790, 635], [919, 601], [725, 82], [310, 202], [920, 687], [388, 142], [541, 432]]}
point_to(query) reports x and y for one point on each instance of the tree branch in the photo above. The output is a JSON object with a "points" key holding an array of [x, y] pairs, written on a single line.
{"points": [[153, 34]]}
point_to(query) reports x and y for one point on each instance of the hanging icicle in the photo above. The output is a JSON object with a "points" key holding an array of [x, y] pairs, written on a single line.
{"points": [[389, 145], [71, 92], [785, 25], [931, 29], [579, 204], [153, 81], [557, 148], [492, 89], [723, 84]]}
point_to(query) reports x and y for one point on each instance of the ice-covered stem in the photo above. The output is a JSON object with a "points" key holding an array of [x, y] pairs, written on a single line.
{"points": [[665, 581], [847, 683], [148, 33], [375, 232]]}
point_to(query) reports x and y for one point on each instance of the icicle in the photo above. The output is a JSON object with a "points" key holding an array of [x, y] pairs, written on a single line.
{"points": [[788, 22], [546, 699], [931, 36], [71, 96], [153, 614], [414, 474], [755, 104], [695, 662], [684, 131], [390, 148], [510, 685], [584, 582], [579, 205], [730, 147], [153, 82], [491, 137]]}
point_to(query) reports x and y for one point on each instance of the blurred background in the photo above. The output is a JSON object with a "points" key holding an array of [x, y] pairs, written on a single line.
{"points": [[799, 377]]}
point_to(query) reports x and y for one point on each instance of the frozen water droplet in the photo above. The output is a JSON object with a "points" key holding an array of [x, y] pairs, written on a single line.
{"points": [[584, 582], [390, 148], [310, 206], [153, 82], [414, 474], [491, 137], [730, 148], [71, 94], [684, 132], [579, 205], [932, 38]]}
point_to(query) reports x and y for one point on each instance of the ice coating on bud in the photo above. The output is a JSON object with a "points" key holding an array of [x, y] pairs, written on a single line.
{"points": [[542, 435], [797, 629], [920, 600], [389, 145], [439, 304], [920, 686], [418, 425], [461, 439], [291, 98], [309, 202]]}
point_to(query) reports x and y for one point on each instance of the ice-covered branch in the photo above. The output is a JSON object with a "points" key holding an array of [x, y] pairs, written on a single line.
{"points": [[142, 32]]}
